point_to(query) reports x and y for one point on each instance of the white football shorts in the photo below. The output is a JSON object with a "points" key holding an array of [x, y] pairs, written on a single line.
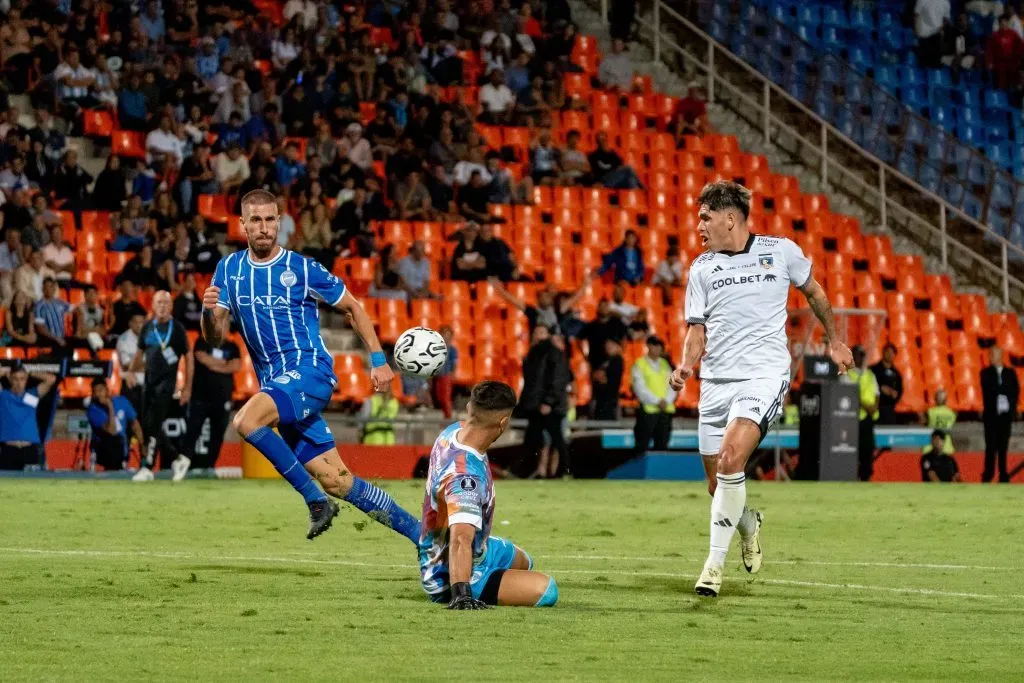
{"points": [[758, 400]]}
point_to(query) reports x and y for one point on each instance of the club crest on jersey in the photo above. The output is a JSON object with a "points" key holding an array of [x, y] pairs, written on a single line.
{"points": [[766, 261], [288, 278]]}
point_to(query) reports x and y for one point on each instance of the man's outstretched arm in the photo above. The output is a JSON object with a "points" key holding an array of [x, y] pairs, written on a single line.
{"points": [[380, 373], [819, 303]]}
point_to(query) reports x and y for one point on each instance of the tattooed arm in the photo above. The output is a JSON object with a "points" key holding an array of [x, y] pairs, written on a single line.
{"points": [[818, 301]]}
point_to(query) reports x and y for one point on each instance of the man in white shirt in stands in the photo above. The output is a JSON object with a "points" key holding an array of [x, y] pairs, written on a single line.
{"points": [[29, 277], [497, 100], [57, 256], [232, 168], [164, 147], [930, 18], [75, 81], [616, 71]]}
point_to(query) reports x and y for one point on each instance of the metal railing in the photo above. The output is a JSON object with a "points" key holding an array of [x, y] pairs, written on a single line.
{"points": [[879, 178]]}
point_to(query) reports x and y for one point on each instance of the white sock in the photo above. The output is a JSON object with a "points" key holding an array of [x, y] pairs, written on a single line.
{"points": [[726, 510], [747, 524]]}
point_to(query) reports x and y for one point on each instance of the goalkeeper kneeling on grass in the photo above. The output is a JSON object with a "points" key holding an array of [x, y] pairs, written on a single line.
{"points": [[460, 562]]}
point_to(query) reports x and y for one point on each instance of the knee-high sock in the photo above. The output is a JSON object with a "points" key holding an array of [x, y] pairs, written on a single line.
{"points": [[382, 507], [273, 447], [726, 509], [746, 523]]}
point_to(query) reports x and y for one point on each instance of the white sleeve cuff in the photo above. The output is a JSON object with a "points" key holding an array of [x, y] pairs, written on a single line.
{"points": [[340, 297], [466, 518], [223, 305]]}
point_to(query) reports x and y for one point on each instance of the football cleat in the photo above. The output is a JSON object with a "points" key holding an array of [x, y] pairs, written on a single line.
{"points": [[144, 474], [180, 467], [750, 547], [321, 515], [710, 582]]}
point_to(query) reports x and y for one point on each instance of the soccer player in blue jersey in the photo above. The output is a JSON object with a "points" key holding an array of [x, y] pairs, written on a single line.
{"points": [[460, 562], [273, 294]]}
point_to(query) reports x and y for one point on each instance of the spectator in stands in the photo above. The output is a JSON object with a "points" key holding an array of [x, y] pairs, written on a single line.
{"points": [[867, 390], [468, 262], [110, 418], [574, 163], [29, 277], [545, 167], [890, 384], [608, 169], [938, 465], [1000, 392], [132, 113], [691, 116], [931, 17], [544, 400], [188, 307], [110, 190], [497, 100], [961, 48], [315, 237], [502, 187], [71, 182], [441, 384], [387, 280], [639, 327], [75, 81], [650, 375], [357, 148], [602, 328], [414, 270], [530, 103], [142, 271], [500, 259], [127, 343], [165, 150], [616, 71], [13, 176], [196, 177], [1004, 53], [120, 313], [35, 234], [17, 213], [412, 200], [626, 261], [11, 252], [941, 417], [87, 321], [40, 207], [19, 323], [58, 257], [669, 273], [473, 200], [51, 312], [19, 430], [606, 382], [231, 168], [622, 308]]}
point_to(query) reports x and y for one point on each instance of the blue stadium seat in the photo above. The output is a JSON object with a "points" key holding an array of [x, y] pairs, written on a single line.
{"points": [[885, 76], [969, 97], [779, 12], [1002, 192], [1000, 154], [997, 100], [887, 20], [1017, 237], [717, 31], [972, 206], [914, 97], [944, 117], [854, 90], [971, 135], [829, 71], [997, 132], [891, 38], [720, 12], [911, 76], [861, 20], [833, 16], [969, 116], [907, 164], [952, 192], [936, 149], [939, 78], [928, 176], [807, 33], [859, 56], [915, 131], [830, 38]]}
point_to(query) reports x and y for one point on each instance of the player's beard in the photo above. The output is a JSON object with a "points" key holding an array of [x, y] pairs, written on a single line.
{"points": [[262, 252]]}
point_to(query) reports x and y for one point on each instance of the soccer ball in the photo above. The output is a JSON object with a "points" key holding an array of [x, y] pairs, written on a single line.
{"points": [[420, 351]]}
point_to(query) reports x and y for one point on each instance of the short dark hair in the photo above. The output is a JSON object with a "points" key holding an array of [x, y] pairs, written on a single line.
{"points": [[939, 433], [98, 382], [725, 194], [493, 396], [890, 345], [258, 197], [90, 288]]}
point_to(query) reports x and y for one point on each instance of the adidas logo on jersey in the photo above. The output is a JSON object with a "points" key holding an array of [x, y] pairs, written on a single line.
{"points": [[716, 269]]}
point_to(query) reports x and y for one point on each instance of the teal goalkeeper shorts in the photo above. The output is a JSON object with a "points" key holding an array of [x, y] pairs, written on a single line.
{"points": [[487, 575]]}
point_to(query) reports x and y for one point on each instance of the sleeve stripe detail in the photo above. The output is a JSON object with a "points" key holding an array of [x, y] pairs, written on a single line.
{"points": [[466, 518], [696, 321], [340, 296], [810, 276], [221, 304]]}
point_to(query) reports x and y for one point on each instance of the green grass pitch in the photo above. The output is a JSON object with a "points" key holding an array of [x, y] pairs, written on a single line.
{"points": [[215, 581]]}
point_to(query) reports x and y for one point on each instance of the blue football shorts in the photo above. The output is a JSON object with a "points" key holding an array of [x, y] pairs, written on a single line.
{"points": [[300, 396], [501, 553]]}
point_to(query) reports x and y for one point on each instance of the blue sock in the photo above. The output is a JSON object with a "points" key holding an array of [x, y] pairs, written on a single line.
{"points": [[273, 447], [380, 506], [550, 596]]}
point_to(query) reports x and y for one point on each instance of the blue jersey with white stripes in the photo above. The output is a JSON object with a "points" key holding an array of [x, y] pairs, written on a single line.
{"points": [[275, 305]]}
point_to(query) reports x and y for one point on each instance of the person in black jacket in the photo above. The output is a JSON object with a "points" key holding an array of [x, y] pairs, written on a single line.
{"points": [[890, 385], [544, 399], [999, 392]]}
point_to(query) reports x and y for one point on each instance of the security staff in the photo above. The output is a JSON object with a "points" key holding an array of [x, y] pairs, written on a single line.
{"points": [[941, 417], [936, 464], [867, 388], [999, 393], [215, 374], [162, 343], [110, 417], [19, 432], [650, 376], [380, 412]]}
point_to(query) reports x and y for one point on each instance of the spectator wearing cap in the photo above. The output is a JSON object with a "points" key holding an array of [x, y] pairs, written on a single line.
{"points": [[650, 378], [19, 428], [231, 168], [938, 464], [51, 312], [497, 100], [626, 261]]}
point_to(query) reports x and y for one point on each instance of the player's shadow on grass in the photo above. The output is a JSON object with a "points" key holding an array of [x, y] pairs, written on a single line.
{"points": [[257, 569]]}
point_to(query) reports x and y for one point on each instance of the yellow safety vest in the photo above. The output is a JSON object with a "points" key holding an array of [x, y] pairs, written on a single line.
{"points": [[381, 433], [943, 417], [867, 387], [656, 379], [791, 415]]}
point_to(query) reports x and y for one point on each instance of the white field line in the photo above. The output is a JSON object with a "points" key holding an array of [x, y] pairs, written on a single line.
{"points": [[413, 568]]}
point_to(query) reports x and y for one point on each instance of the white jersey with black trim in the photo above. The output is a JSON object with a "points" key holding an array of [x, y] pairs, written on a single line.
{"points": [[740, 298]]}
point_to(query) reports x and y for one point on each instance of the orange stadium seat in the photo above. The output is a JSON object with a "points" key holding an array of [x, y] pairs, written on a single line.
{"points": [[127, 143], [98, 123]]}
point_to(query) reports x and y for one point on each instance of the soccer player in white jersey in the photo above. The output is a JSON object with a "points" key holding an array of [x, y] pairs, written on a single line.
{"points": [[736, 312], [273, 294]]}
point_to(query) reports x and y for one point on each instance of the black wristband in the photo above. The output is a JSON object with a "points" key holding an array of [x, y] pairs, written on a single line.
{"points": [[461, 590]]}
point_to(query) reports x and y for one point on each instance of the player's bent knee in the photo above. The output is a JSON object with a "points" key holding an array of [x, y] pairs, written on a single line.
{"points": [[522, 559], [550, 595]]}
